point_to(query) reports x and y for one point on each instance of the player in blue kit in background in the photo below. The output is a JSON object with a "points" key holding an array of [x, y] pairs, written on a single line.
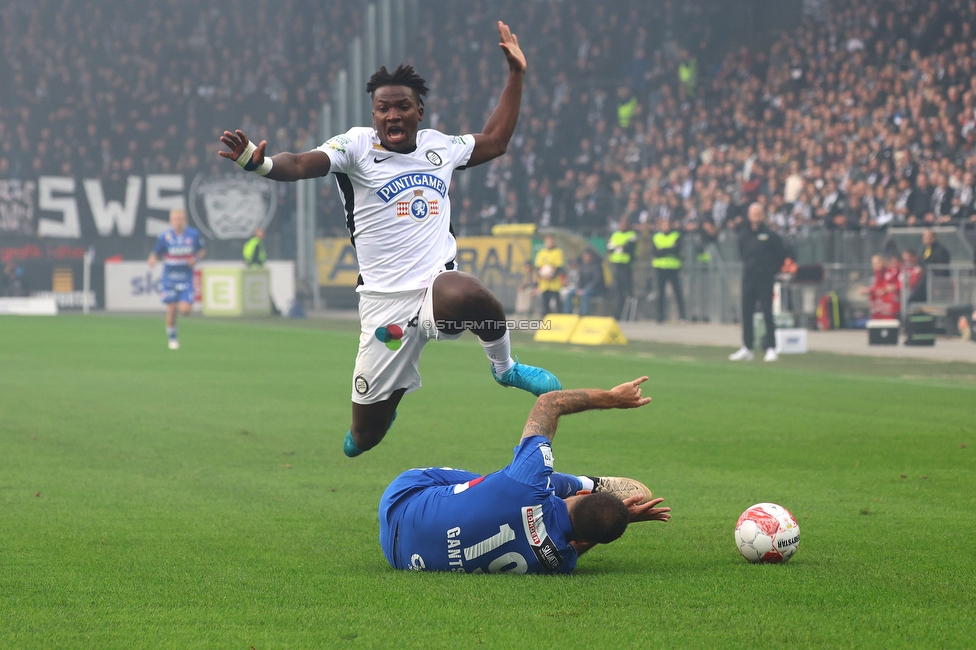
{"points": [[525, 518], [180, 248]]}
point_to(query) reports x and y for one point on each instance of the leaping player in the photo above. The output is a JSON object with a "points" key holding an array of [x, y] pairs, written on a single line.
{"points": [[181, 248], [394, 180]]}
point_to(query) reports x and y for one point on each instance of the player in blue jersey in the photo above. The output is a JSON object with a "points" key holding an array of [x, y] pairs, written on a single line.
{"points": [[180, 248], [525, 518]]}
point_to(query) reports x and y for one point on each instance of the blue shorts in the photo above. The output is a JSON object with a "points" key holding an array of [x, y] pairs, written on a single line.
{"points": [[405, 486], [178, 289]]}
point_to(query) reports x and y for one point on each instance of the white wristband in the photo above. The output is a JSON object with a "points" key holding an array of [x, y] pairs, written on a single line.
{"points": [[265, 167], [245, 157], [246, 163]]}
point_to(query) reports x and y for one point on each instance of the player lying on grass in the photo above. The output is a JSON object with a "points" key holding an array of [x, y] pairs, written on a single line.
{"points": [[525, 518], [180, 248], [394, 180]]}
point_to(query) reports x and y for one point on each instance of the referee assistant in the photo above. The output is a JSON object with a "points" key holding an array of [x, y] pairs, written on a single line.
{"points": [[762, 254], [667, 264], [254, 254], [622, 247]]}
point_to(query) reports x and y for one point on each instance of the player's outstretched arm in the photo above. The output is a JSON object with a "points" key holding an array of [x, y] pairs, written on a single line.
{"points": [[280, 167], [544, 416], [497, 132]]}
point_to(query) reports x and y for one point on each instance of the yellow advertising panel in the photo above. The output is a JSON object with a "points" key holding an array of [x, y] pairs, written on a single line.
{"points": [[513, 229], [495, 260], [595, 330], [337, 262], [561, 327]]}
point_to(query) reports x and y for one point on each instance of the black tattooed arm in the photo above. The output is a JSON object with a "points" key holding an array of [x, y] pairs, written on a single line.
{"points": [[545, 414]]}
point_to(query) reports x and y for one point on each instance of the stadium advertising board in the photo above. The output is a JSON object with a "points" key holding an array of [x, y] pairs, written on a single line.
{"points": [[495, 260], [133, 286]]}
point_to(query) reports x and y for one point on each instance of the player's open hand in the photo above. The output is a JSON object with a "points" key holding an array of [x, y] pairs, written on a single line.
{"points": [[646, 512], [510, 46], [237, 142], [628, 395]]}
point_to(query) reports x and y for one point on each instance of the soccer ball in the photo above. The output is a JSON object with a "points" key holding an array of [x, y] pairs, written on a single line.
{"points": [[547, 271], [767, 532]]}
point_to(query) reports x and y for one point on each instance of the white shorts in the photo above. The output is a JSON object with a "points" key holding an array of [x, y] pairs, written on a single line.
{"points": [[395, 329]]}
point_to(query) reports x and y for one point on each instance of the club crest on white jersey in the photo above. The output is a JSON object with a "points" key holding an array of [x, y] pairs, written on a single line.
{"points": [[398, 211]]}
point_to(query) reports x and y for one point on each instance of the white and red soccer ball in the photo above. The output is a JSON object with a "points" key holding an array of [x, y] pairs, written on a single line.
{"points": [[767, 532]]}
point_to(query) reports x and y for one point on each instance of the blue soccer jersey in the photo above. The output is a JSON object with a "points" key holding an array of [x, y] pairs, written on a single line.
{"points": [[177, 251], [511, 521]]}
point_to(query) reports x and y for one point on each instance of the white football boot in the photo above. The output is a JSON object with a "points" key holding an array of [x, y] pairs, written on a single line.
{"points": [[742, 354]]}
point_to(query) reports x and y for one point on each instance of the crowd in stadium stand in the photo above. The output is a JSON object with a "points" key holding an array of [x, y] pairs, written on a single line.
{"points": [[92, 88], [861, 120]]}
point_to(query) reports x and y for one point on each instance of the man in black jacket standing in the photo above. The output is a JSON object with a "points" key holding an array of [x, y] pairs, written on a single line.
{"points": [[591, 283], [762, 254], [934, 253]]}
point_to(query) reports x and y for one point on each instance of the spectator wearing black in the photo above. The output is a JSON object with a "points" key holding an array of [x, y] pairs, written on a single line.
{"points": [[591, 283], [942, 200], [934, 253], [920, 201], [762, 254]]}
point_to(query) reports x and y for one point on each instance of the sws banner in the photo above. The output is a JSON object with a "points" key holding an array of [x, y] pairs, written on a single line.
{"points": [[123, 217]]}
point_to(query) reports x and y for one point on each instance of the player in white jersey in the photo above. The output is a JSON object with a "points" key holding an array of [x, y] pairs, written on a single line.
{"points": [[394, 180]]}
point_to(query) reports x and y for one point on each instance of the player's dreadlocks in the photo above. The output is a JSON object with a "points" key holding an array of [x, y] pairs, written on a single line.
{"points": [[404, 75]]}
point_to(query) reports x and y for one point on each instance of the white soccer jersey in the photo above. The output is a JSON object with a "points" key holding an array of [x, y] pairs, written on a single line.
{"points": [[398, 212]]}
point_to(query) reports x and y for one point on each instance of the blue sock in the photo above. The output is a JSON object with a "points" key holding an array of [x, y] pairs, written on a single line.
{"points": [[171, 333], [349, 447], [566, 485]]}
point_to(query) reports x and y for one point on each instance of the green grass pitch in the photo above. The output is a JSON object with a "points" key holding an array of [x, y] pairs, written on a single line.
{"points": [[200, 498]]}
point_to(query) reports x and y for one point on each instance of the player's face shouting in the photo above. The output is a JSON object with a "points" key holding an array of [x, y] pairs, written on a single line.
{"points": [[396, 114]]}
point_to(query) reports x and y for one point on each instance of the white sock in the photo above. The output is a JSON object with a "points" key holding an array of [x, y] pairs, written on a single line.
{"points": [[587, 482], [171, 333], [499, 353]]}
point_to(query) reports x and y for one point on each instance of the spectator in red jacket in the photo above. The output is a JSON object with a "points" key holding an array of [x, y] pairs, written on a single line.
{"points": [[884, 296]]}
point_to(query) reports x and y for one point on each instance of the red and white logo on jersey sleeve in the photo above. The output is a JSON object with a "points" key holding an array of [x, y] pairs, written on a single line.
{"points": [[535, 528], [542, 545]]}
